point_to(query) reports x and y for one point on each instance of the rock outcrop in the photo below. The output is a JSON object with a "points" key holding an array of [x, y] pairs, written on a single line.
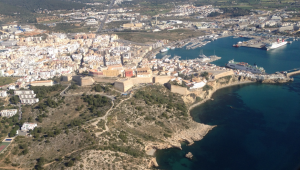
{"points": [[153, 163], [196, 133], [189, 155]]}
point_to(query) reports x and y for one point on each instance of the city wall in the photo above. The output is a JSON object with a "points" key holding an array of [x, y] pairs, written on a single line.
{"points": [[224, 74], [123, 85], [104, 80], [86, 81], [161, 79], [140, 80], [178, 89]]}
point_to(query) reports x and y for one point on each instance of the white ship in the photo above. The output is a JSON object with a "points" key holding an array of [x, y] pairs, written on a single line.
{"points": [[277, 44], [164, 50], [245, 66]]}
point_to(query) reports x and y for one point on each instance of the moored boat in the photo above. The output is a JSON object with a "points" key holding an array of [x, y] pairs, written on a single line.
{"points": [[245, 66]]}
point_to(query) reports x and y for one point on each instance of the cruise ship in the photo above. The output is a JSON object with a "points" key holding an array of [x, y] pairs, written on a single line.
{"points": [[245, 66], [164, 50], [274, 45]]}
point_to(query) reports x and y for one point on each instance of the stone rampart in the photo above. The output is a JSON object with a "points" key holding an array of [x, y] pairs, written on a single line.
{"points": [[123, 85], [224, 74], [105, 79], [161, 79], [178, 89], [140, 80], [76, 78], [86, 81]]}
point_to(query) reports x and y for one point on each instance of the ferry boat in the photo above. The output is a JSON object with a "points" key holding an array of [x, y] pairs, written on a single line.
{"points": [[277, 44], [164, 50], [245, 66]]}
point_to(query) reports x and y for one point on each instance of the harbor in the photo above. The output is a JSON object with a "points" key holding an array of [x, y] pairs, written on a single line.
{"points": [[263, 41], [250, 118]]}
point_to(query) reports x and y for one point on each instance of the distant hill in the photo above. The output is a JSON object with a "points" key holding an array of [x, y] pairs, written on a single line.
{"points": [[31, 5]]}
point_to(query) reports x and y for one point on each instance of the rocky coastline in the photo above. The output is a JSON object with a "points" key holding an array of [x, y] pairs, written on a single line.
{"points": [[198, 130]]}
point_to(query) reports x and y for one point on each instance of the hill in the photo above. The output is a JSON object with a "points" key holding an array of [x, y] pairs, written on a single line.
{"points": [[31, 5]]}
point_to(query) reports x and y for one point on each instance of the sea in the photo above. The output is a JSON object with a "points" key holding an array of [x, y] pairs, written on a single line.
{"points": [[257, 125]]}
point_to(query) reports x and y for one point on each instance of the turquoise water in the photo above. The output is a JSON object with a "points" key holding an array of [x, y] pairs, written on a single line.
{"points": [[260, 132]]}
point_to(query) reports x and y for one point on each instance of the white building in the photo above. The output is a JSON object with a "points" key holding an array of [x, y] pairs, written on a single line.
{"points": [[29, 100], [3, 93], [28, 126], [26, 96], [11, 87], [19, 92], [8, 113]]}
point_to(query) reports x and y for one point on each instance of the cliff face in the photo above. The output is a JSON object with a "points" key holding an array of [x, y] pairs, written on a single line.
{"points": [[217, 84], [195, 133]]}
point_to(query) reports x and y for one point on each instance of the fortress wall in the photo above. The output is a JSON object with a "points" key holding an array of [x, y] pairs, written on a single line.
{"points": [[179, 90], [224, 74], [86, 81], [76, 78], [67, 77], [161, 79], [139, 80], [104, 80], [123, 85]]}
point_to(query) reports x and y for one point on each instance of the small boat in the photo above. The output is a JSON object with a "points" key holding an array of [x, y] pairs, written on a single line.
{"points": [[172, 48], [235, 45]]}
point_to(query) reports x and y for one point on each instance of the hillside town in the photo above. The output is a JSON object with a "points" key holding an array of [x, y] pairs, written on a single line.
{"points": [[84, 83]]}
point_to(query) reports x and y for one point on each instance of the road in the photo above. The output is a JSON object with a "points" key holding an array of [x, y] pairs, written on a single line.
{"points": [[105, 17], [20, 111]]}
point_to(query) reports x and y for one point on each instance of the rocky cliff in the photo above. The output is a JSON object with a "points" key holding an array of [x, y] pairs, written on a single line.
{"points": [[199, 96]]}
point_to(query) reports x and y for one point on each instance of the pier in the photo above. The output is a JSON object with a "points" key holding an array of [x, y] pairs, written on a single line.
{"points": [[292, 72]]}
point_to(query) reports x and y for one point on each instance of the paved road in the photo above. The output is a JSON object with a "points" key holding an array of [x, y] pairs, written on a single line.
{"points": [[105, 17]]}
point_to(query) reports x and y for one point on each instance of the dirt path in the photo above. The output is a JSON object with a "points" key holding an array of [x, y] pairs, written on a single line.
{"points": [[45, 165]]}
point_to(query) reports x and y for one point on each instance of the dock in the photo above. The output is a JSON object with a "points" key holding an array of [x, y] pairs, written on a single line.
{"points": [[293, 72]]}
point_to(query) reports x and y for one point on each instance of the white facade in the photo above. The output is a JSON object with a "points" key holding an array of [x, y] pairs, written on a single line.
{"points": [[19, 92], [199, 84], [8, 113], [26, 96], [3, 93], [28, 126], [29, 101]]}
